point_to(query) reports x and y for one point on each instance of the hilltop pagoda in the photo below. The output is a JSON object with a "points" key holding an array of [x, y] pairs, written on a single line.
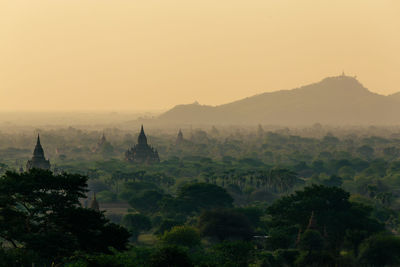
{"points": [[142, 152], [38, 160]]}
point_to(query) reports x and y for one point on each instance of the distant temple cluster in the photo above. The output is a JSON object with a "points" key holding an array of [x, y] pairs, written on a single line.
{"points": [[142, 152], [38, 160]]}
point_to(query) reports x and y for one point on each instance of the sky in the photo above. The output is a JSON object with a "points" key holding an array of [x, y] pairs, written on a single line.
{"points": [[67, 55]]}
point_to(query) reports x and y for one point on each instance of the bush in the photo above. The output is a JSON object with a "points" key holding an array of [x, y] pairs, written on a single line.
{"points": [[315, 259], [136, 256], [380, 250], [19, 257], [167, 225], [170, 256], [136, 223], [182, 235], [286, 256], [311, 240], [237, 253]]}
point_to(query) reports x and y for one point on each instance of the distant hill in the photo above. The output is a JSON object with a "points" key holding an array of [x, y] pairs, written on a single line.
{"points": [[334, 100], [395, 96]]}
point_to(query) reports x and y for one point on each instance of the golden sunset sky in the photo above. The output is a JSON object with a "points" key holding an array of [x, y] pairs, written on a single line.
{"points": [[148, 54]]}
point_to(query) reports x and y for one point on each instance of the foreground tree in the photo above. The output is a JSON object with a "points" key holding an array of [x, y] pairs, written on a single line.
{"points": [[41, 212], [381, 250], [233, 253], [225, 225], [170, 256], [334, 215]]}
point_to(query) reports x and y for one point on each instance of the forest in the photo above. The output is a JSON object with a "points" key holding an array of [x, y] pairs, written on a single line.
{"points": [[220, 196]]}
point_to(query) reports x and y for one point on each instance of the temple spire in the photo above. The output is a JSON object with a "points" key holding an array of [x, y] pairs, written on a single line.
{"points": [[38, 151], [38, 160], [312, 223], [179, 138], [142, 152], [102, 139], [94, 205], [142, 139]]}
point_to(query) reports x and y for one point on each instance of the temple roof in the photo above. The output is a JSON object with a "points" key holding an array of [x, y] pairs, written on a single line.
{"points": [[38, 152], [38, 160], [312, 223], [142, 139], [94, 204], [142, 152]]}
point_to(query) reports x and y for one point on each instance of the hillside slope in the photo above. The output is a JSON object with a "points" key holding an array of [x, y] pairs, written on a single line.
{"points": [[334, 100]]}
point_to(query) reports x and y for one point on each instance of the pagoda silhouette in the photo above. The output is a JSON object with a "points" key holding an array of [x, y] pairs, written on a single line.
{"points": [[38, 160], [142, 152]]}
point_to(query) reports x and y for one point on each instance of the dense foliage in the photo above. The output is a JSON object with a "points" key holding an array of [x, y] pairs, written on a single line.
{"points": [[223, 197], [40, 212]]}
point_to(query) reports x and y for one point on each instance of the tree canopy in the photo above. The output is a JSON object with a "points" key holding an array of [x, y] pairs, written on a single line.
{"points": [[40, 211]]}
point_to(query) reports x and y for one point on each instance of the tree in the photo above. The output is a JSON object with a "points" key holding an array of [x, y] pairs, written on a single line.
{"points": [[166, 225], [281, 237], [233, 253], [19, 257], [147, 202], [366, 151], [186, 236], [334, 213], [225, 225], [205, 196], [254, 215], [315, 259], [381, 250], [311, 240], [41, 211], [170, 256], [136, 223], [131, 189], [333, 181], [283, 180]]}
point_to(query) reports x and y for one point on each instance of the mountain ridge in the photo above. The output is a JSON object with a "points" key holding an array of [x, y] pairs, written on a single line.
{"points": [[333, 100]]}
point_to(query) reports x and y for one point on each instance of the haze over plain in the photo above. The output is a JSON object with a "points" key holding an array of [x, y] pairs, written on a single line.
{"points": [[147, 55]]}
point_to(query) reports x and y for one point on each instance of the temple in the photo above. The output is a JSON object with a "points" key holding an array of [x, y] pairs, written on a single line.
{"points": [[142, 152], [94, 205], [102, 141], [312, 225], [179, 138], [103, 145], [38, 160]]}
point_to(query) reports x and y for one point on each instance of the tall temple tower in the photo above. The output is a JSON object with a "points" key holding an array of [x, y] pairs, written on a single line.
{"points": [[142, 139], [102, 140], [95, 204], [179, 138], [142, 152], [38, 160]]}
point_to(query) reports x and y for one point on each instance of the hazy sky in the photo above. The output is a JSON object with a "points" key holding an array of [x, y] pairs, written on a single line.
{"points": [[148, 54]]}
